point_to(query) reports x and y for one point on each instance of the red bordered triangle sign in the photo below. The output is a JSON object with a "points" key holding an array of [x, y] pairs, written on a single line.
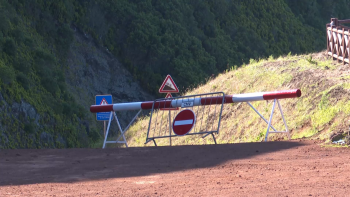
{"points": [[168, 86], [169, 96], [103, 102]]}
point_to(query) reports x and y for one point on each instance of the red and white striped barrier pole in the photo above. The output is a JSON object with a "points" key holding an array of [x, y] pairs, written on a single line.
{"points": [[236, 98]]}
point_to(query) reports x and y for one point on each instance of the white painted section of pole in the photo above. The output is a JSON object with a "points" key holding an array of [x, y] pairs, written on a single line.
{"points": [[236, 98], [127, 106]]}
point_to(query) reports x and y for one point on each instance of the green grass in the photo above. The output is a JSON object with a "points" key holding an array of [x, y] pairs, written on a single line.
{"points": [[314, 115]]}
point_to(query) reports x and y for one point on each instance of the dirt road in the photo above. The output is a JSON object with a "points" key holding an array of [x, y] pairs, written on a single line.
{"points": [[294, 168]]}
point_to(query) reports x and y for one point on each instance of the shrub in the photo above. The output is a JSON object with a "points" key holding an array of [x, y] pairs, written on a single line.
{"points": [[29, 128], [94, 135], [4, 23], [67, 109], [21, 65], [10, 47], [7, 74], [28, 42], [18, 34], [23, 80], [49, 84]]}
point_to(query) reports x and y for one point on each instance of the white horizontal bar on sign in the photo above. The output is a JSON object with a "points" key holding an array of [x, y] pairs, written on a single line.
{"points": [[183, 122], [247, 97]]}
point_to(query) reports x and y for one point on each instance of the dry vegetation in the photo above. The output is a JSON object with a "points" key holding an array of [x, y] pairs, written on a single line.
{"points": [[323, 108]]}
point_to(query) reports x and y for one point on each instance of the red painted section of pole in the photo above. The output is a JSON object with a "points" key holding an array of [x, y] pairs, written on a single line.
{"points": [[101, 108], [282, 94], [211, 100], [157, 105]]}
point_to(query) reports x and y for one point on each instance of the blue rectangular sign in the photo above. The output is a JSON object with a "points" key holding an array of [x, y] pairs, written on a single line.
{"points": [[103, 100]]}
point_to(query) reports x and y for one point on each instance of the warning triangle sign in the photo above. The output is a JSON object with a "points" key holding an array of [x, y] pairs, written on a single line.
{"points": [[169, 96], [168, 86], [103, 102]]}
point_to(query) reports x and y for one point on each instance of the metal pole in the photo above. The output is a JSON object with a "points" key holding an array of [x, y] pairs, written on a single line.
{"points": [[104, 129], [170, 127]]}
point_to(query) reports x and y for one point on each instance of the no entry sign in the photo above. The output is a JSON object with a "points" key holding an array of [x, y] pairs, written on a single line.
{"points": [[183, 122]]}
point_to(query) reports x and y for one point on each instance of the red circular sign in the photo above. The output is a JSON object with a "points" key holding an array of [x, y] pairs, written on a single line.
{"points": [[183, 122]]}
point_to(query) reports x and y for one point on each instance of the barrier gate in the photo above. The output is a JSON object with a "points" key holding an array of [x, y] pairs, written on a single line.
{"points": [[206, 107]]}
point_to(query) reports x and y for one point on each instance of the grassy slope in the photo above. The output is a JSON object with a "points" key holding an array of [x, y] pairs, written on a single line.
{"points": [[323, 108]]}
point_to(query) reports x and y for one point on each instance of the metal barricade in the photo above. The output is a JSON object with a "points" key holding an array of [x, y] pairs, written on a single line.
{"points": [[206, 107]]}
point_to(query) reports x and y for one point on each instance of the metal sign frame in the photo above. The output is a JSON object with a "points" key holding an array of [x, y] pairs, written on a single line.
{"points": [[187, 102]]}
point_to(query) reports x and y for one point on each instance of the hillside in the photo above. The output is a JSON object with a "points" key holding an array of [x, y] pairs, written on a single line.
{"points": [[323, 108], [56, 55]]}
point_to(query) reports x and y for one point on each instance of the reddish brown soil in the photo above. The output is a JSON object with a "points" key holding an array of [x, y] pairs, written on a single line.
{"points": [[294, 168]]}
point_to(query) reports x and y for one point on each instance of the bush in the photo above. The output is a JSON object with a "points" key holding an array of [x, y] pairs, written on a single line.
{"points": [[18, 34], [94, 135], [23, 80], [10, 47], [64, 38], [67, 109], [29, 128], [7, 74], [4, 23], [28, 42], [21, 65], [49, 84]]}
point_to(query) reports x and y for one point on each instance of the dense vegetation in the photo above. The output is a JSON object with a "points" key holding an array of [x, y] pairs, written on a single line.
{"points": [[191, 40]]}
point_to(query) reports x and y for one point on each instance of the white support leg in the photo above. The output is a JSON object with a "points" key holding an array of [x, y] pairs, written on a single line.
{"points": [[269, 125], [122, 132], [262, 117], [284, 121], [109, 124]]}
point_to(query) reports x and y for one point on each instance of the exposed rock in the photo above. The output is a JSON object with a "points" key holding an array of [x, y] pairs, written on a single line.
{"points": [[25, 110], [94, 71], [337, 136], [91, 71], [46, 137], [347, 140]]}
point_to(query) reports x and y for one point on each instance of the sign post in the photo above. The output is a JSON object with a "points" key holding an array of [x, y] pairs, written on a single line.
{"points": [[168, 86]]}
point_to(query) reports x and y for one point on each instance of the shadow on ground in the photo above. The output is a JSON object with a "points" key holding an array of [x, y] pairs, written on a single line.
{"points": [[18, 167]]}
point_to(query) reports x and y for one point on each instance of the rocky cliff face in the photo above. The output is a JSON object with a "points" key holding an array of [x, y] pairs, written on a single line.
{"points": [[90, 71], [22, 127]]}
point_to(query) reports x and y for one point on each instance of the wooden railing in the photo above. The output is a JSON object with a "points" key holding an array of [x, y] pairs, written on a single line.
{"points": [[338, 40]]}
